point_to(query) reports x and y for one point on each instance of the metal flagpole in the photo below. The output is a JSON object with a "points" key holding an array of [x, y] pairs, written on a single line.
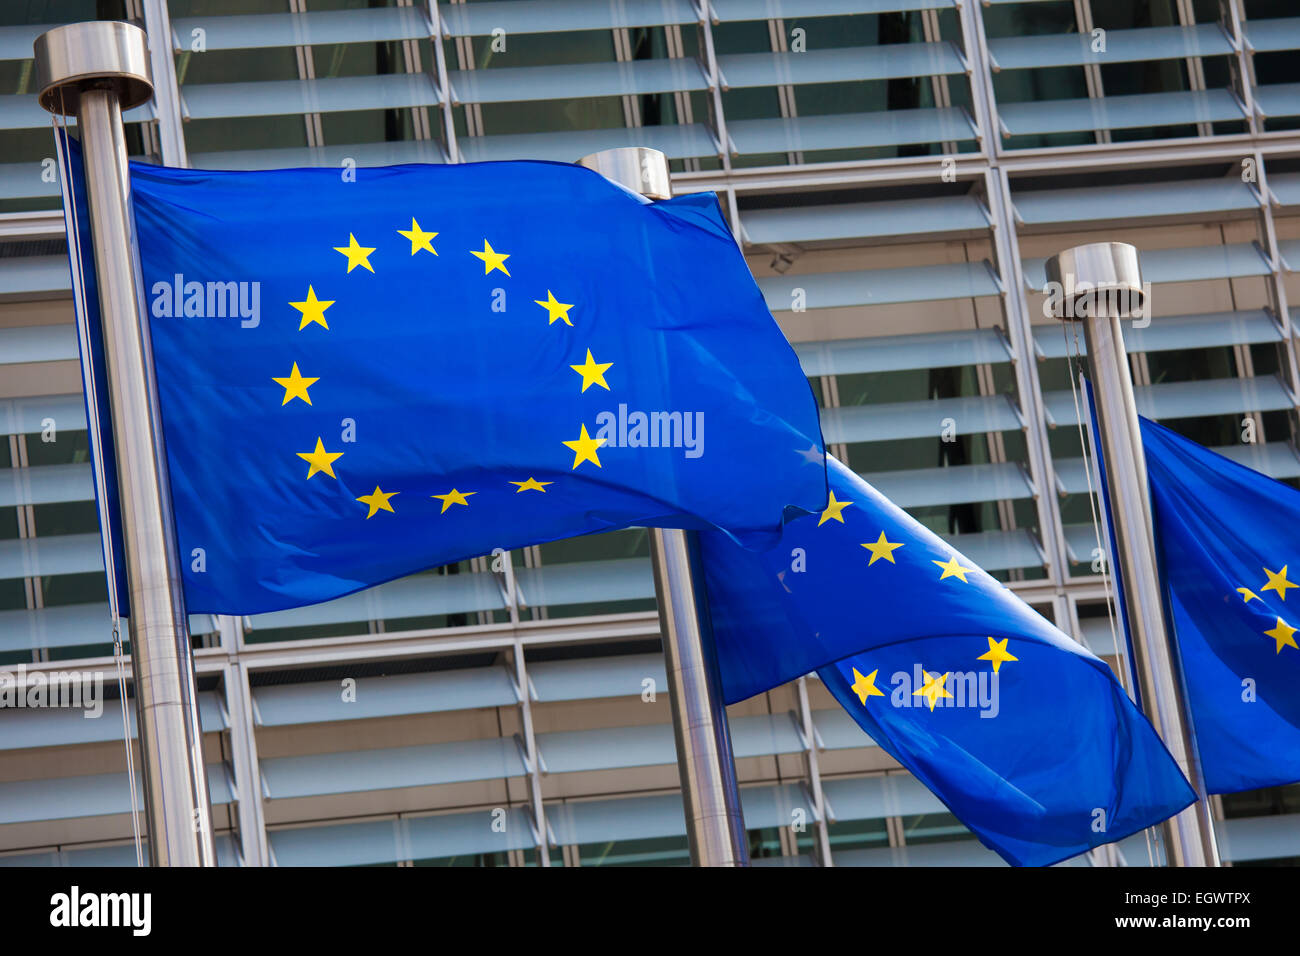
{"points": [[94, 71], [715, 827], [1099, 284]]}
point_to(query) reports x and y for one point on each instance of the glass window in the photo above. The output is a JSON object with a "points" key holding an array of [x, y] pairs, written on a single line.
{"points": [[661, 851], [857, 835], [932, 828], [474, 859]]}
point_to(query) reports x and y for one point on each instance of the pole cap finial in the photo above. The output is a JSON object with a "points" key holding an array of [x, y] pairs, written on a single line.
{"points": [[1084, 280], [98, 54], [639, 168]]}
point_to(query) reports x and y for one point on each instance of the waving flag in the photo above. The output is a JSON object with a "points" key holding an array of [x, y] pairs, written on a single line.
{"points": [[364, 373], [1228, 542], [1026, 737]]}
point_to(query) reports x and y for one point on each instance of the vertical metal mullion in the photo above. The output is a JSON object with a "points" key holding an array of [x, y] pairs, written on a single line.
{"points": [[166, 93], [1243, 361], [481, 565], [307, 72], [622, 38], [1277, 284], [442, 82], [995, 444], [714, 77], [33, 588], [938, 84], [1195, 64], [814, 775], [1028, 387], [1091, 71], [1232, 18], [533, 559], [681, 98], [983, 99], [530, 747], [412, 64], [248, 774], [785, 92], [465, 61], [997, 452]]}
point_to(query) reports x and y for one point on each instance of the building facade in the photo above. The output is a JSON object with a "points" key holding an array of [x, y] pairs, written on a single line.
{"points": [[896, 172]]}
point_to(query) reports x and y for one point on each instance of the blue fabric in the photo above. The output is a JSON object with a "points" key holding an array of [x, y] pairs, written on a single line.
{"points": [[445, 373], [1042, 757], [1223, 533]]}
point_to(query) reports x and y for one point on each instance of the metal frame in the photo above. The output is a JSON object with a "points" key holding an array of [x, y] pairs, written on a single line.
{"points": [[992, 163]]}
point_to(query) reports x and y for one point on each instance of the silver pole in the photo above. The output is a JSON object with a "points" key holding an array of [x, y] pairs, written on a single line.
{"points": [[1099, 284], [94, 71], [715, 827]]}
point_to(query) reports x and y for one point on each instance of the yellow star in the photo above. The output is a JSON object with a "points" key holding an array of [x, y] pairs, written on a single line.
{"points": [[933, 689], [555, 310], [1283, 635], [865, 687], [453, 497], [312, 309], [835, 510], [882, 549], [379, 501], [357, 254], [953, 569], [491, 258], [592, 372], [295, 386], [1247, 595], [320, 460], [532, 484], [1278, 582], [584, 448], [419, 238], [997, 653]]}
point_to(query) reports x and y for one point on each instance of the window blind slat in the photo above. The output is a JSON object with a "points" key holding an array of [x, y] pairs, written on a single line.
{"points": [[1122, 46], [728, 11], [1177, 108], [289, 97], [832, 290], [1176, 332], [520, 84], [1231, 261], [839, 65], [896, 217], [1134, 200], [561, 16], [892, 353], [888, 421], [69, 625], [261, 31], [1223, 396], [851, 131]]}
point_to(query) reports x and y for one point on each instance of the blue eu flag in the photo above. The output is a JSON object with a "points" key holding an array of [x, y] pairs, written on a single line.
{"points": [[367, 372], [1027, 737], [1226, 537]]}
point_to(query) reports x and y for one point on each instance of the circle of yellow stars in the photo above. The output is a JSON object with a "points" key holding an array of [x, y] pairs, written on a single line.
{"points": [[312, 309], [933, 687]]}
